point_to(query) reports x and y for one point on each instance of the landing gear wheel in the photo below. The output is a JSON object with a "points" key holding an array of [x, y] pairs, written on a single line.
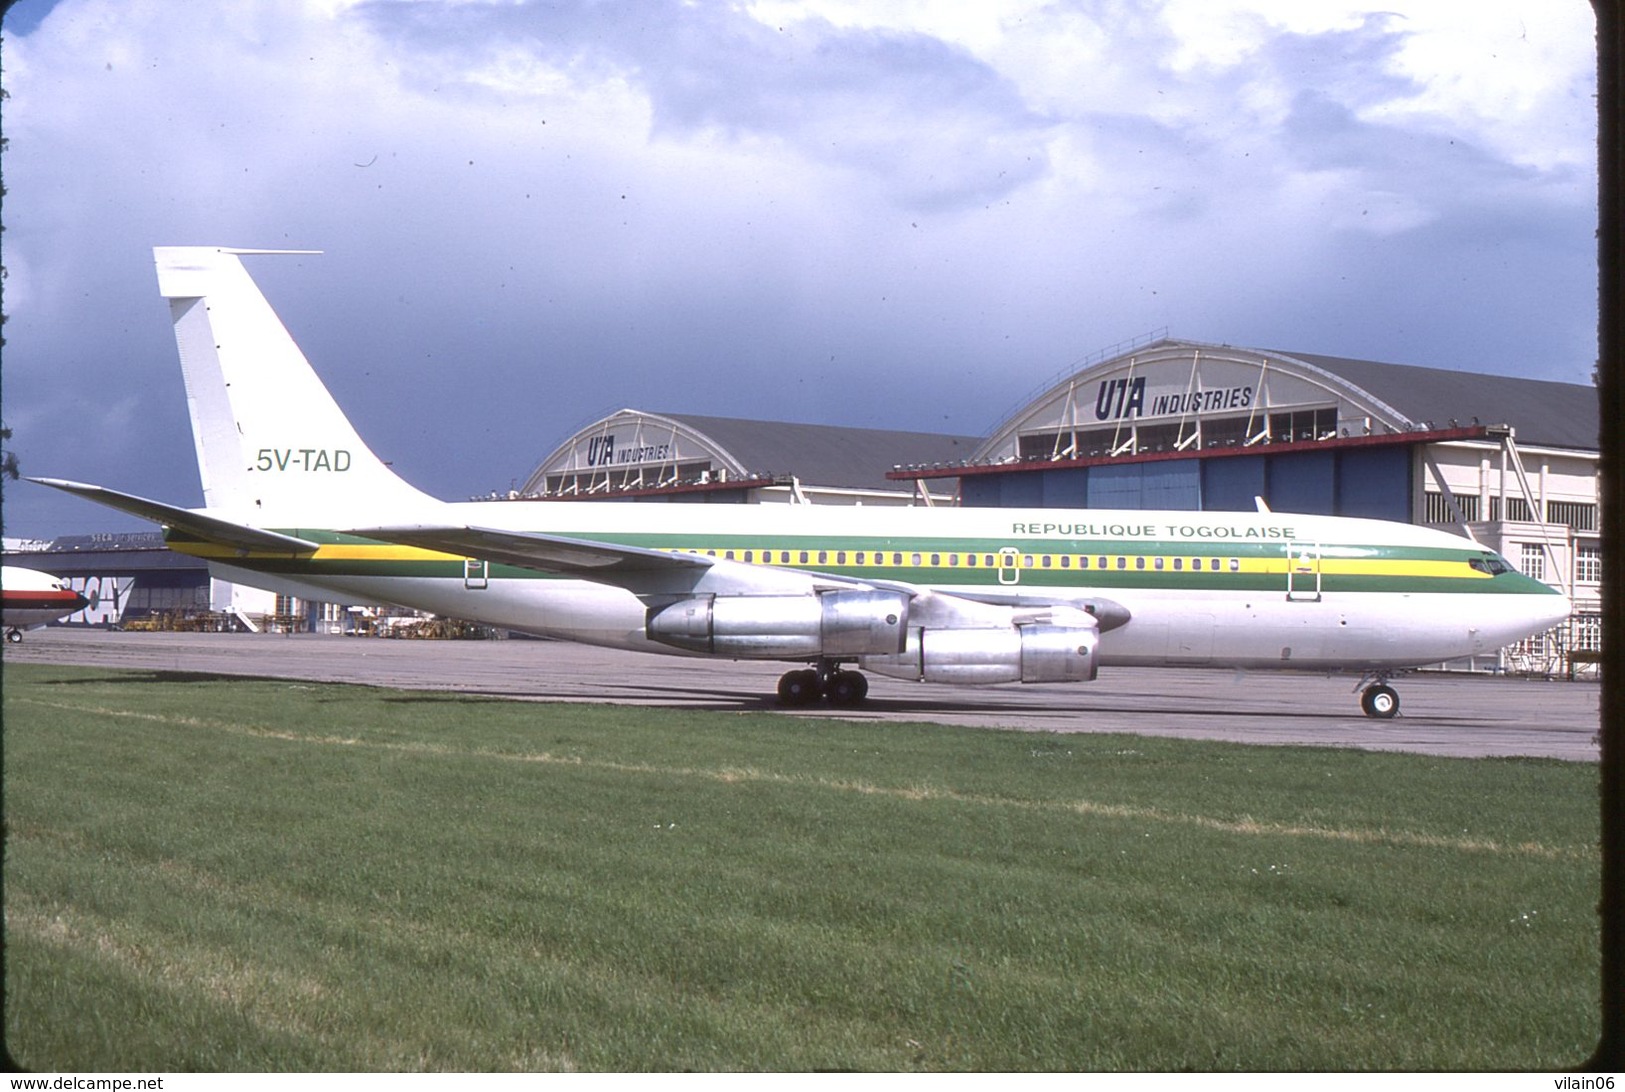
{"points": [[1380, 701], [15, 636], [847, 688], [800, 687]]}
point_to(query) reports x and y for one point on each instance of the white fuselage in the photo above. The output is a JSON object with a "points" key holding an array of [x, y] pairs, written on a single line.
{"points": [[1318, 627]]}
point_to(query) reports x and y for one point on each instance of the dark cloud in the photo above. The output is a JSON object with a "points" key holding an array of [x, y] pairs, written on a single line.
{"points": [[929, 124]]}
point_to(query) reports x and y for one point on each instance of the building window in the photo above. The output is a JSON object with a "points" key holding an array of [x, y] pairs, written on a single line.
{"points": [[1302, 424], [1157, 437], [1437, 508], [1225, 432], [1102, 441], [1578, 515], [1511, 508], [1532, 560], [1587, 633], [1042, 446], [1588, 565]]}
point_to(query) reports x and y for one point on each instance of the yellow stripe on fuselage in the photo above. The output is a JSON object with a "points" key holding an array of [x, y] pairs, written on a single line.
{"points": [[1109, 562]]}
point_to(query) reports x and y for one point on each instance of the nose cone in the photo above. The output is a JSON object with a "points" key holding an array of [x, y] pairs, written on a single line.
{"points": [[1556, 612], [1535, 614], [1502, 620]]}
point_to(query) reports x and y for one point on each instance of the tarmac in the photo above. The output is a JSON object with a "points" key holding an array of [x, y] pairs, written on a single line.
{"points": [[1446, 714]]}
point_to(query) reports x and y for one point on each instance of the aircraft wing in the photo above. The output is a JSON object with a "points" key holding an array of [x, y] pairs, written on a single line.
{"points": [[238, 536], [589, 559]]}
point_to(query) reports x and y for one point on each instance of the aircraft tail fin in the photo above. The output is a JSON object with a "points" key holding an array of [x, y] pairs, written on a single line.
{"points": [[272, 444]]}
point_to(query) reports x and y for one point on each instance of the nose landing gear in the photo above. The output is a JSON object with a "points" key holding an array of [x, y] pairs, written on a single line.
{"points": [[1378, 700], [828, 681]]}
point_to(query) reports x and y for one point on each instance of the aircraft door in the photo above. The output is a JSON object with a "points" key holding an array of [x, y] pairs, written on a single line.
{"points": [[1009, 565], [1303, 572], [476, 574]]}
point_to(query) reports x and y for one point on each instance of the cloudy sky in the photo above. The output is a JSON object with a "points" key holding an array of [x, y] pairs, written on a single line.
{"points": [[907, 214]]}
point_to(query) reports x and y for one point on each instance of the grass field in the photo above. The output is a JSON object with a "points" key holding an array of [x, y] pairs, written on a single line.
{"points": [[205, 873]]}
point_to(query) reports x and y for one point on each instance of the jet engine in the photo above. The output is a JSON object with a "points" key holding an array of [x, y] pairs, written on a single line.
{"points": [[785, 627], [1029, 654]]}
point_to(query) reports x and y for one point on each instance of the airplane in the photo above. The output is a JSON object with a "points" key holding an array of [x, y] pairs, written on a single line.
{"points": [[31, 598], [296, 502]]}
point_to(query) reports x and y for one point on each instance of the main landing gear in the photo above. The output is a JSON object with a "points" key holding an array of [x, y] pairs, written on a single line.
{"points": [[827, 681], [1378, 700], [14, 635]]}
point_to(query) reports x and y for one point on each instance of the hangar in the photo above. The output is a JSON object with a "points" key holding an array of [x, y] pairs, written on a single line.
{"points": [[638, 455], [124, 575]]}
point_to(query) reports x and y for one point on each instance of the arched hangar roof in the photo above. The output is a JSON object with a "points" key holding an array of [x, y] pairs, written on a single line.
{"points": [[1182, 395], [634, 448], [1545, 413]]}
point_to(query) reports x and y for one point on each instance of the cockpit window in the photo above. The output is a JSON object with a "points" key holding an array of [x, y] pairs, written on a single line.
{"points": [[1490, 564]]}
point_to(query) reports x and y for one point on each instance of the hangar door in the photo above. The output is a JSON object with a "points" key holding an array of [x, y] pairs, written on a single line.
{"points": [[1230, 484], [1171, 485], [1375, 483], [1304, 481]]}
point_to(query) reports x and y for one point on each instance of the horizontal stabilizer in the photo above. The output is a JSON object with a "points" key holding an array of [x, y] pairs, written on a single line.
{"points": [[592, 560], [209, 528]]}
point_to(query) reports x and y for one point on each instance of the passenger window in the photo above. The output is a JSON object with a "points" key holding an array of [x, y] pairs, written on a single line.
{"points": [[1066, 561], [804, 557], [1178, 563], [823, 557], [1235, 565], [915, 558], [840, 557]]}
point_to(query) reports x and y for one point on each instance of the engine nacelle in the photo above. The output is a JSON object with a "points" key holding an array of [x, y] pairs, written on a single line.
{"points": [[785, 627], [978, 657]]}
